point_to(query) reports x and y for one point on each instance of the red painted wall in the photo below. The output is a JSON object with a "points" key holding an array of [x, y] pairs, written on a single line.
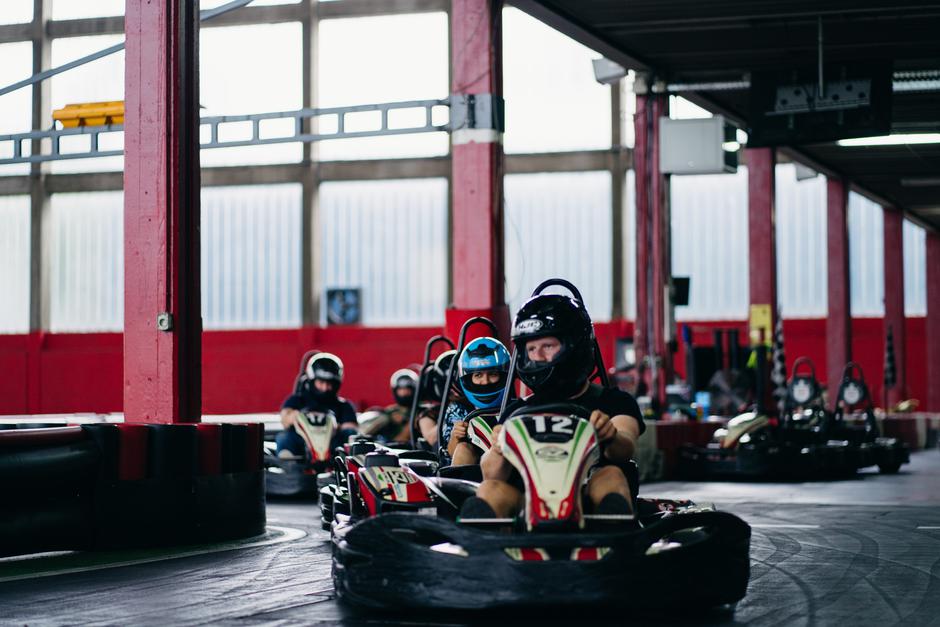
{"points": [[252, 371]]}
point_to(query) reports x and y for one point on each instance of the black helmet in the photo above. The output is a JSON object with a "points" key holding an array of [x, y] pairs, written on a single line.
{"points": [[325, 367], [436, 376], [404, 378], [563, 317]]}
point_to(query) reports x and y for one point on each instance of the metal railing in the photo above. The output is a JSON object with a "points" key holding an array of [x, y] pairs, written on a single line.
{"points": [[213, 129]]}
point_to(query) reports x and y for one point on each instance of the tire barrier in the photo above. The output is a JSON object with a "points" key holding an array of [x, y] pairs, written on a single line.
{"points": [[129, 486]]}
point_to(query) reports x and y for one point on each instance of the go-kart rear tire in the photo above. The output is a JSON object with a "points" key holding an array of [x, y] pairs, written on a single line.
{"points": [[889, 468]]}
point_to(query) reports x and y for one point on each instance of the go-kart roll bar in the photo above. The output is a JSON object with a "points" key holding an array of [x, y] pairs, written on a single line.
{"points": [[600, 370], [422, 373], [461, 344]]}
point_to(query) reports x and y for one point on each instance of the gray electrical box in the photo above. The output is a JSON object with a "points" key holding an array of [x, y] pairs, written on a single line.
{"points": [[699, 146]]}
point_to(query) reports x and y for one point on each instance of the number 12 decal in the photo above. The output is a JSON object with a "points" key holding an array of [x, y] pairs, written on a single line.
{"points": [[559, 424]]}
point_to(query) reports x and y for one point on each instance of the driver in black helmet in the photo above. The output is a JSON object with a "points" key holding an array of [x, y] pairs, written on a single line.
{"points": [[436, 380], [390, 424], [323, 377], [554, 339]]}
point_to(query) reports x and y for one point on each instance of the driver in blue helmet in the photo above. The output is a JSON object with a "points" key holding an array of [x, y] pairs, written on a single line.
{"points": [[554, 338], [481, 374]]}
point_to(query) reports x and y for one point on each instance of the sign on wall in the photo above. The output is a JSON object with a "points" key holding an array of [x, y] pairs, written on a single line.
{"points": [[343, 306]]}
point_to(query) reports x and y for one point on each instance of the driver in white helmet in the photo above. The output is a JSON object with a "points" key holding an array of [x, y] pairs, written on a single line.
{"points": [[318, 392]]}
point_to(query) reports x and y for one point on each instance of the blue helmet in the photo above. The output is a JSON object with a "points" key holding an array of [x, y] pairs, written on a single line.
{"points": [[483, 354]]}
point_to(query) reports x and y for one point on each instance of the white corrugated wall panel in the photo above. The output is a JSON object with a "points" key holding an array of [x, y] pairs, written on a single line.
{"points": [[14, 264], [915, 270], [866, 257], [801, 244], [87, 274], [709, 244], [629, 245], [558, 226], [251, 256], [388, 238]]}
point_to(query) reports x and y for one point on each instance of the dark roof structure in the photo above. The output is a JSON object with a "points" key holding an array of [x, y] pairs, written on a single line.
{"points": [[708, 52]]}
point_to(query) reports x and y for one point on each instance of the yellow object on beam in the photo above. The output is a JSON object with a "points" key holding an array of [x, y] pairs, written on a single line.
{"points": [[90, 114]]}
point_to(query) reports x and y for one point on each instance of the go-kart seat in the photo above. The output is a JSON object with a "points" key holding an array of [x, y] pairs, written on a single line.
{"points": [[467, 472], [380, 459], [425, 455]]}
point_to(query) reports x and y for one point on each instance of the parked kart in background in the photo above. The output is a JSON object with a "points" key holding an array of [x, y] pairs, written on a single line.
{"points": [[853, 421], [399, 541], [806, 442], [299, 477]]}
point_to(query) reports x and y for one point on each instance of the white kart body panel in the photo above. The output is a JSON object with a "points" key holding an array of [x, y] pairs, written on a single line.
{"points": [[316, 428], [555, 470]]}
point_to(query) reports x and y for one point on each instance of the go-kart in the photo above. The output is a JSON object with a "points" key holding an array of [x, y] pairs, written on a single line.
{"points": [[853, 421], [399, 541], [302, 477], [805, 442]]}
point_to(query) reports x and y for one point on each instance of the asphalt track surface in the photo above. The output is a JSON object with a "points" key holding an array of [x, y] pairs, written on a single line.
{"points": [[864, 551]]}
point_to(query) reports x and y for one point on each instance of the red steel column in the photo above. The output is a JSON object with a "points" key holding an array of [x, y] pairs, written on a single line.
{"points": [[477, 272], [933, 321], [762, 240], [894, 297], [762, 250], [162, 325], [839, 321], [652, 245]]}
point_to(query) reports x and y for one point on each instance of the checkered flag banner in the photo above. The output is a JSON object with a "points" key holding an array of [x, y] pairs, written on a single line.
{"points": [[778, 374], [891, 373]]}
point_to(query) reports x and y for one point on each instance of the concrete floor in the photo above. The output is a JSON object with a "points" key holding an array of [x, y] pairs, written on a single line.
{"points": [[856, 552]]}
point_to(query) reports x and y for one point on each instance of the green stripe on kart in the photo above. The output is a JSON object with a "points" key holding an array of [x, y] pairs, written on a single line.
{"points": [[574, 447], [483, 426]]}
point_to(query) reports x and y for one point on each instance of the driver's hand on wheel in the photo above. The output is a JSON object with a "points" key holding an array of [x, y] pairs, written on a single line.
{"points": [[289, 417], [602, 424], [460, 431], [496, 446]]}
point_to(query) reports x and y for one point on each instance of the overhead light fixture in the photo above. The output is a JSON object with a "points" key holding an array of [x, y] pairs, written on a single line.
{"points": [[607, 72], [893, 140]]}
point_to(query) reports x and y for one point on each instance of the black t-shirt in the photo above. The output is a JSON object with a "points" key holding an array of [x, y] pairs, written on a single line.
{"points": [[341, 408], [611, 401]]}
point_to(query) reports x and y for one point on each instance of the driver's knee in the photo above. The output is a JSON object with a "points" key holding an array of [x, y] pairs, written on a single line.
{"points": [[608, 480], [464, 455], [289, 440], [504, 499]]}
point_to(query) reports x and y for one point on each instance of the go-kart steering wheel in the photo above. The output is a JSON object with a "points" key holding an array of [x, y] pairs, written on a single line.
{"points": [[566, 409]]}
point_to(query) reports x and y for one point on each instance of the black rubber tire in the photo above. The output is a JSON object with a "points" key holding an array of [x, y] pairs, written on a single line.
{"points": [[889, 468]]}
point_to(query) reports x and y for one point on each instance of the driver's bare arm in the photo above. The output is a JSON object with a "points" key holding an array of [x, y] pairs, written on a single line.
{"points": [[428, 428], [457, 435], [623, 445], [288, 416], [493, 464]]}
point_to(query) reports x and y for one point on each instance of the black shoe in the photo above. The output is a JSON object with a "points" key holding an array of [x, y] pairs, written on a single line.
{"points": [[614, 505], [476, 508]]}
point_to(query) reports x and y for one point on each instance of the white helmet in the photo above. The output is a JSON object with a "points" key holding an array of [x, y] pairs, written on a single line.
{"points": [[325, 367]]}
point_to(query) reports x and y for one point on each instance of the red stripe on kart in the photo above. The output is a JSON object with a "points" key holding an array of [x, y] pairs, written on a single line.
{"points": [[532, 555], [585, 554]]}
